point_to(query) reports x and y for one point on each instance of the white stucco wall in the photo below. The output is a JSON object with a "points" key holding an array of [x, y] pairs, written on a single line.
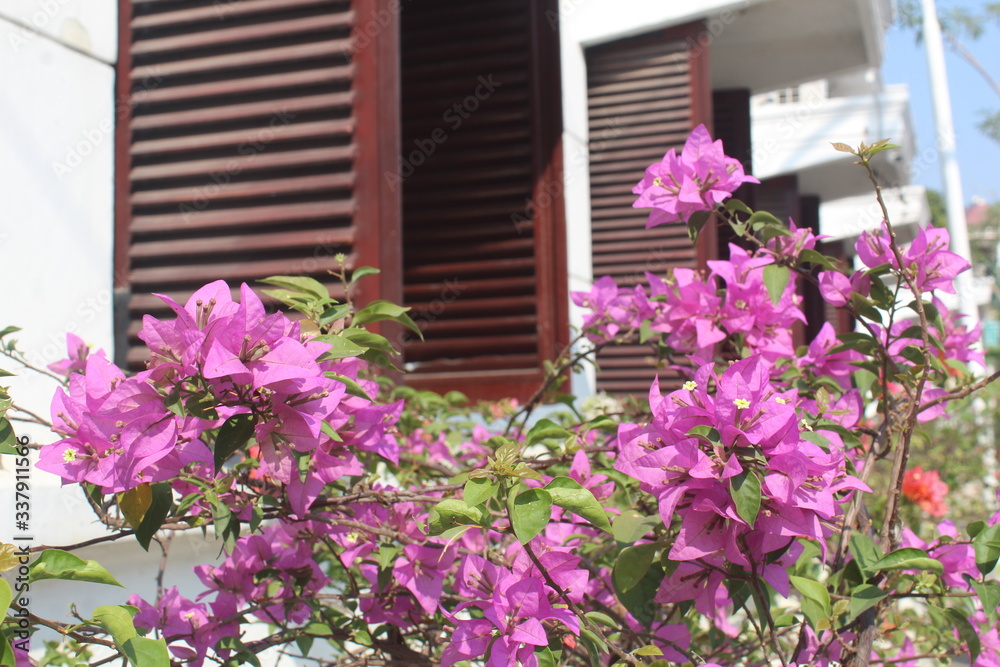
{"points": [[57, 113], [57, 117]]}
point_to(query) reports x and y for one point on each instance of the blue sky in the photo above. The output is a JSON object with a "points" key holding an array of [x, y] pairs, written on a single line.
{"points": [[978, 156]]}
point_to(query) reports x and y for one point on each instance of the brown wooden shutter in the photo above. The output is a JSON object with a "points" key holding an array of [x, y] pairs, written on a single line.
{"points": [[480, 171], [250, 142], [645, 95], [731, 120]]}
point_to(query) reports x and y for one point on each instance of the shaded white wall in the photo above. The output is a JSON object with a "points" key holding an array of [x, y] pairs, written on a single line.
{"points": [[57, 113]]}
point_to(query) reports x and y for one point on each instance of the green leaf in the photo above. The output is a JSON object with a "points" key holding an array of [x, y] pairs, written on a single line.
{"points": [[546, 429], [865, 597], [761, 219], [7, 656], [814, 257], [776, 279], [8, 439], [334, 313], [595, 646], [368, 340], [785, 621], [341, 347], [568, 494], [734, 204], [451, 513], [600, 618], [6, 595], [330, 432], [878, 148], [530, 513], [227, 526], [864, 380], [966, 632], [134, 503], [117, 621], [909, 558], [705, 433], [631, 525], [303, 284], [974, 528], [639, 600], [146, 652], [632, 565], [695, 224], [378, 347], [233, 435], [59, 564], [479, 490], [988, 593], [546, 658], [866, 553], [866, 307], [815, 603], [243, 655], [646, 331], [603, 423], [156, 514], [986, 546], [353, 388], [362, 271], [378, 311], [745, 490]]}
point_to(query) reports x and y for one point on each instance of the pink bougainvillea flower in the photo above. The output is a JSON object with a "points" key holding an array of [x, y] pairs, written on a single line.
{"points": [[933, 266], [796, 242], [958, 341], [698, 179], [926, 489], [422, 571], [927, 261], [77, 361], [873, 248]]}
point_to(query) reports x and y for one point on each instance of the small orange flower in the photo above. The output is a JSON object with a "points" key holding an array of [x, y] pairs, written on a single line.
{"points": [[926, 489]]}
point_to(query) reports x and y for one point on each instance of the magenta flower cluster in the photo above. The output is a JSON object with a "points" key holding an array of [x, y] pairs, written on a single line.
{"points": [[721, 428], [742, 467], [694, 312], [698, 179]]}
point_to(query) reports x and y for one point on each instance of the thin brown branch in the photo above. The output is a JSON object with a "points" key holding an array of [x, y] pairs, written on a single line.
{"points": [[961, 393], [590, 625]]}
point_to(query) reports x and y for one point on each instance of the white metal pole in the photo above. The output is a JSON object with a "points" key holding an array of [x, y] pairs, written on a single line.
{"points": [[955, 202]]}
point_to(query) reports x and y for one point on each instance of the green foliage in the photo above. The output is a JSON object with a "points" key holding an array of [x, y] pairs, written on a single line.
{"points": [[59, 564]]}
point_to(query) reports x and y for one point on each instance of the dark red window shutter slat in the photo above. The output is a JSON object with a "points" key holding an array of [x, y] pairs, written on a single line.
{"points": [[250, 140], [645, 94], [480, 173]]}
